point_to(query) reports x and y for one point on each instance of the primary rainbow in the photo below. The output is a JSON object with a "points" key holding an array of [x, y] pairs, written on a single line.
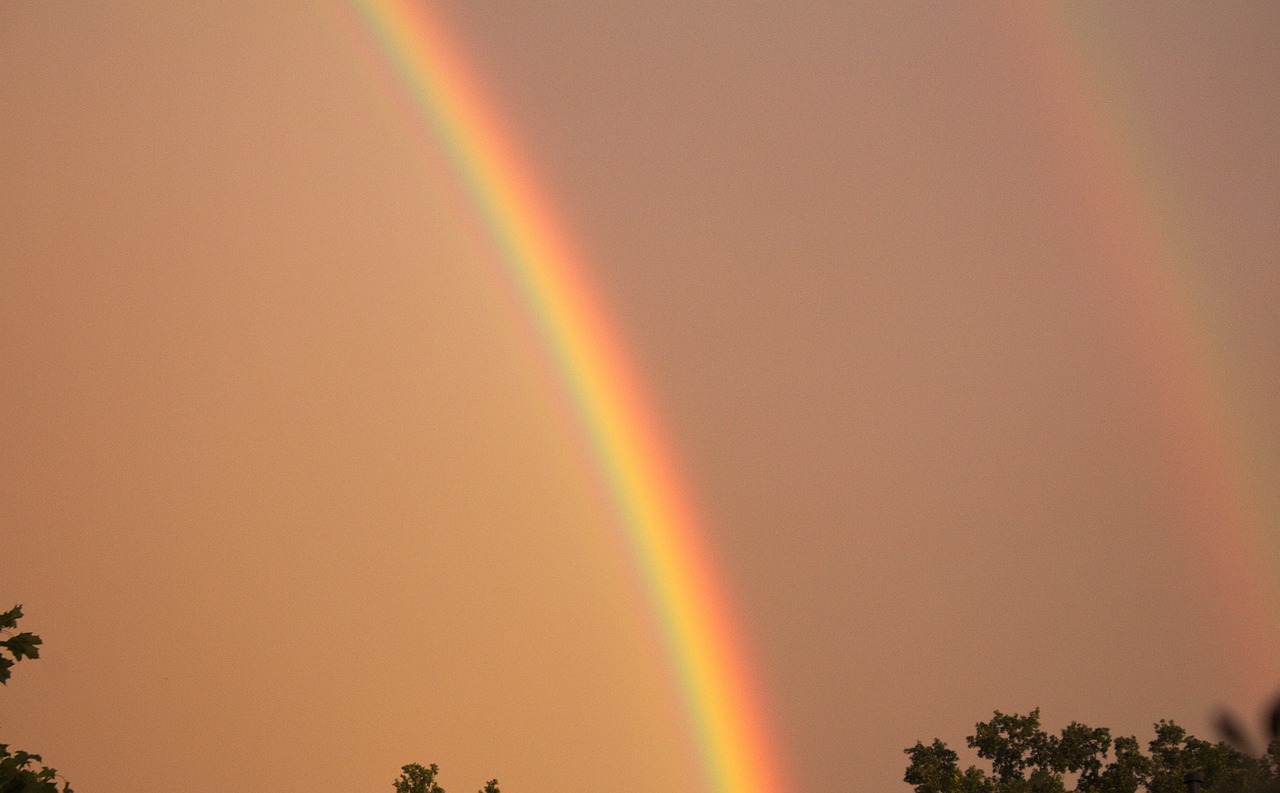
{"points": [[663, 532]]}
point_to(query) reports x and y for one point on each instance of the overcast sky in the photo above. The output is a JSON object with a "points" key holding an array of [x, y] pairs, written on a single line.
{"points": [[963, 323]]}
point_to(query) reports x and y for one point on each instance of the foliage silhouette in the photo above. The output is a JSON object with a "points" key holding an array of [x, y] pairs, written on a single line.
{"points": [[1026, 759], [17, 645], [22, 772], [417, 778]]}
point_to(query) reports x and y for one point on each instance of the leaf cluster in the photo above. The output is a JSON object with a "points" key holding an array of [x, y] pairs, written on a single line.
{"points": [[22, 772], [1024, 758], [417, 778], [14, 646]]}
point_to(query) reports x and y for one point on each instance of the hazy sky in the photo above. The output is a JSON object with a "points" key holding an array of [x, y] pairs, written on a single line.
{"points": [[963, 322]]}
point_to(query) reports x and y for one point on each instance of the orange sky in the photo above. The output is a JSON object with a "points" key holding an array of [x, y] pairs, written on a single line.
{"points": [[286, 490]]}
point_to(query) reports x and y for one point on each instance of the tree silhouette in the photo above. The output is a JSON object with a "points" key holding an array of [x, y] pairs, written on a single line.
{"points": [[416, 778], [1023, 758]]}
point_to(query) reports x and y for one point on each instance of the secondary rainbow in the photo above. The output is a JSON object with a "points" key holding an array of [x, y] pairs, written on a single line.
{"points": [[1158, 298], [707, 657]]}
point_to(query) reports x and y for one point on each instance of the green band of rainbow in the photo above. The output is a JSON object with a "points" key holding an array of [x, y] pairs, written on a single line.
{"points": [[718, 692]]}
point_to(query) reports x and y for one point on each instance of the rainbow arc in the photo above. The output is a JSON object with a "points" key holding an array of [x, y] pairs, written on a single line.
{"points": [[663, 533]]}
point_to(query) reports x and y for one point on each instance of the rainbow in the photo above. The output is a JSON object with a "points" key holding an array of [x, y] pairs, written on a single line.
{"points": [[1160, 303], [719, 693]]}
